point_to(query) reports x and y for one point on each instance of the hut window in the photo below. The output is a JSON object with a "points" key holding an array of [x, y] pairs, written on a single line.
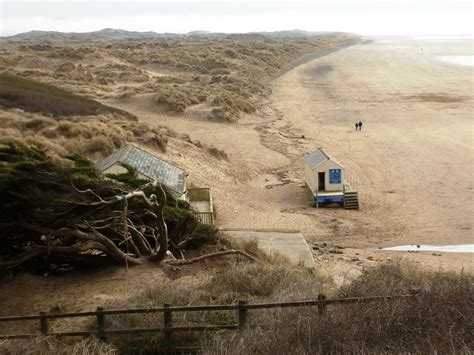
{"points": [[334, 176]]}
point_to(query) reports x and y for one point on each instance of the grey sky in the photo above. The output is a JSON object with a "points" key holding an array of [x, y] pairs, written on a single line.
{"points": [[363, 17]]}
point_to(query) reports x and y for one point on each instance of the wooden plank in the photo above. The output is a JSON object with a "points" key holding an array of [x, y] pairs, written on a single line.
{"points": [[36, 317], [17, 336], [44, 326], [260, 230], [242, 314], [18, 318], [101, 324], [168, 323]]}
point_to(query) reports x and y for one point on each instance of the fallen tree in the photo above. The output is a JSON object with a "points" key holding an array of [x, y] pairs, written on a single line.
{"points": [[67, 213]]}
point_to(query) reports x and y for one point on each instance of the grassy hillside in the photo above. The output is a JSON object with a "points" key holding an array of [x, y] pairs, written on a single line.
{"points": [[213, 75], [33, 96]]}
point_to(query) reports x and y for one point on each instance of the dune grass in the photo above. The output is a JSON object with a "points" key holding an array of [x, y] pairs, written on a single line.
{"points": [[91, 136], [33, 96], [438, 320], [222, 71]]}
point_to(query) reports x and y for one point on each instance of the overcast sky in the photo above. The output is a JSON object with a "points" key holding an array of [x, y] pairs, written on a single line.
{"points": [[369, 17]]}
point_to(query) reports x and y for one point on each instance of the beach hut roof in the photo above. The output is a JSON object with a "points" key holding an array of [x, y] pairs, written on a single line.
{"points": [[318, 157], [148, 165]]}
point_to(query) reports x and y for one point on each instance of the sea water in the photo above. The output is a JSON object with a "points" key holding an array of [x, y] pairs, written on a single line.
{"points": [[462, 248], [457, 59]]}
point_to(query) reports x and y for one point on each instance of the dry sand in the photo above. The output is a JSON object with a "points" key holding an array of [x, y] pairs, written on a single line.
{"points": [[412, 160]]}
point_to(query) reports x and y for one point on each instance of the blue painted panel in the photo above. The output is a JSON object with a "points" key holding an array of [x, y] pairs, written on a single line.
{"points": [[334, 176], [330, 199]]}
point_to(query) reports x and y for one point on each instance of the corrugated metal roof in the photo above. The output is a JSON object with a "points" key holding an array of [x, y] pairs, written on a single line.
{"points": [[146, 164], [317, 157]]}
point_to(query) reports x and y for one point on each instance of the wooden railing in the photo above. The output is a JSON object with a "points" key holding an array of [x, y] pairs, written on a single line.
{"points": [[168, 327], [350, 183], [202, 194], [205, 217], [199, 194]]}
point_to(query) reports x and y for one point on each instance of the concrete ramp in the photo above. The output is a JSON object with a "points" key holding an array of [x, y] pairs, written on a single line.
{"points": [[290, 243]]}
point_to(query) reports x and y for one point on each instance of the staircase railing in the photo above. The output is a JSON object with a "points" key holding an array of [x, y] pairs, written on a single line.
{"points": [[350, 183]]}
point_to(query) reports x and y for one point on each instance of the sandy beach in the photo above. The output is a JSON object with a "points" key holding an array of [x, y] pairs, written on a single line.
{"points": [[412, 161]]}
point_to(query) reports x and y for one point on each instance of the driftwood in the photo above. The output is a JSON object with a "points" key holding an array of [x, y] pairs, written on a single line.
{"points": [[179, 262]]}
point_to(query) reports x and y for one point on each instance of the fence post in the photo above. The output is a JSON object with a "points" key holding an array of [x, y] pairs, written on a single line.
{"points": [[44, 326], [242, 314], [101, 324], [168, 323], [321, 305]]}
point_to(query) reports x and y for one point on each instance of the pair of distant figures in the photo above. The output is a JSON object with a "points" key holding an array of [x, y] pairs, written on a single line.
{"points": [[358, 126]]}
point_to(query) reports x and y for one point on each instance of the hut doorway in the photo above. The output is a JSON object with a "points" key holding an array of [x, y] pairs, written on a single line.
{"points": [[322, 181]]}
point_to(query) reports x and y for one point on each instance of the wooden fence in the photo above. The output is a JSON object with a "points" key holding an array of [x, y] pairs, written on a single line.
{"points": [[202, 196], [199, 194], [242, 309], [205, 217]]}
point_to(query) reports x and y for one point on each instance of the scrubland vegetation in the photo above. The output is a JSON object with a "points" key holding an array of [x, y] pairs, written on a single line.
{"points": [[33, 96], [93, 136], [220, 72], [438, 320], [62, 123], [50, 93]]}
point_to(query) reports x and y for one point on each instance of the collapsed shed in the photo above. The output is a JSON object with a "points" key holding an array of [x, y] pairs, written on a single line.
{"points": [[147, 166], [150, 167]]}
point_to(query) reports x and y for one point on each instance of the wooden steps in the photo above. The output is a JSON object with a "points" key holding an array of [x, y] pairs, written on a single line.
{"points": [[351, 200]]}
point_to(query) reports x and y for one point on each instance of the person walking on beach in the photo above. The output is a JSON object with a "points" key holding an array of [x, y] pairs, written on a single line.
{"points": [[357, 126], [360, 125]]}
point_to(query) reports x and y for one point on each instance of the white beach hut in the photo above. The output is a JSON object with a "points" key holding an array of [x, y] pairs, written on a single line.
{"points": [[326, 178]]}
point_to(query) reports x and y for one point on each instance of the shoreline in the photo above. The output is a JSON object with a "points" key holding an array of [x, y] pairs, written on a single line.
{"points": [[308, 57], [383, 85]]}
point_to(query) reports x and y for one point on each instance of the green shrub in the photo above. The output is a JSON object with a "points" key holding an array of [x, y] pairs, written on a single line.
{"points": [[129, 178]]}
